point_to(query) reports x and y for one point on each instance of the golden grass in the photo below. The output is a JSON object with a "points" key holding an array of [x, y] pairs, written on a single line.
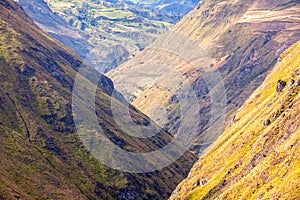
{"points": [[250, 161]]}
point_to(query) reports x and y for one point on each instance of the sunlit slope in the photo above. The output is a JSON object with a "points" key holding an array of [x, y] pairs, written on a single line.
{"points": [[239, 39], [258, 156], [41, 155]]}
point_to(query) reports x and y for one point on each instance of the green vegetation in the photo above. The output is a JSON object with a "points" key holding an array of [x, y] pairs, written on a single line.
{"points": [[176, 7], [41, 155], [97, 18], [110, 32]]}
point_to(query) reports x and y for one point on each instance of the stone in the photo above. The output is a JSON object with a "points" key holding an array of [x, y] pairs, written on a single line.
{"points": [[291, 83], [280, 86], [267, 123]]}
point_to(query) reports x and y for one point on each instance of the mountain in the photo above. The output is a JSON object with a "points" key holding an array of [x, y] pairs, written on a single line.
{"points": [[220, 53], [57, 27], [43, 155], [178, 7], [258, 156], [111, 31]]}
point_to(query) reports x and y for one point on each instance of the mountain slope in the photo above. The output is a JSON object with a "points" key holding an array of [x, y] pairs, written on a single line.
{"points": [[258, 156], [239, 40], [42, 157], [55, 26]]}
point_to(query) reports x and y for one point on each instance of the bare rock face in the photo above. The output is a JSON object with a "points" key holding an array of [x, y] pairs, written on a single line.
{"points": [[51, 146], [128, 195]]}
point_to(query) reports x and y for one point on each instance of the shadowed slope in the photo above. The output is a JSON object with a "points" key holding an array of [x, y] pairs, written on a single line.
{"points": [[41, 155]]}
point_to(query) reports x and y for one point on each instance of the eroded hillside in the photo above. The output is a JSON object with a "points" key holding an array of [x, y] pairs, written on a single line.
{"points": [[237, 39], [258, 156]]}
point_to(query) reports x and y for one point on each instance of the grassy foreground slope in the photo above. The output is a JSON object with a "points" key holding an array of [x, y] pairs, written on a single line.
{"points": [[41, 156], [258, 156]]}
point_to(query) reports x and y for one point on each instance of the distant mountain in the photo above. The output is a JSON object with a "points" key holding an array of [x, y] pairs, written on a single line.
{"points": [[42, 154], [110, 31], [179, 7], [218, 54], [258, 156]]}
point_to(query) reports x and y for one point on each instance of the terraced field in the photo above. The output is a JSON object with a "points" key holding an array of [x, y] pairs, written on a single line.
{"points": [[103, 32], [176, 7]]}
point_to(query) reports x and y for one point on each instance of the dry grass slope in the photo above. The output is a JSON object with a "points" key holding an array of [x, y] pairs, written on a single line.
{"points": [[258, 156], [242, 39]]}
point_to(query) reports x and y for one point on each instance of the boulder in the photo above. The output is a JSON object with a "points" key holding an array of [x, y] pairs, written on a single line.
{"points": [[267, 123], [291, 83], [280, 85]]}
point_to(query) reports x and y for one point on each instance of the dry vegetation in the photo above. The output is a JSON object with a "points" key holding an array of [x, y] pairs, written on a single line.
{"points": [[242, 40], [258, 156]]}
